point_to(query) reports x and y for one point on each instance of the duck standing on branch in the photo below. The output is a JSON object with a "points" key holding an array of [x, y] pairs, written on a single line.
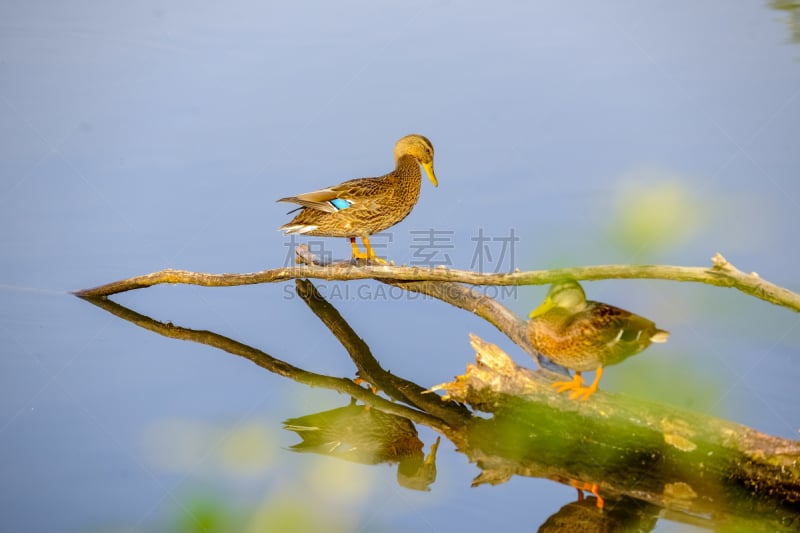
{"points": [[584, 335], [364, 206]]}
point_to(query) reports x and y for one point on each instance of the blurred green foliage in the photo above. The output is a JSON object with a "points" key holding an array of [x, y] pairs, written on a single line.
{"points": [[655, 210], [792, 9], [214, 455], [662, 378]]}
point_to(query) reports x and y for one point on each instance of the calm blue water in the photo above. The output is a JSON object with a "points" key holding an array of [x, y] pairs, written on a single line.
{"points": [[148, 135]]}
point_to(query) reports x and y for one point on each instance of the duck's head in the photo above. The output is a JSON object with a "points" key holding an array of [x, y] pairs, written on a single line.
{"points": [[567, 295], [419, 147]]}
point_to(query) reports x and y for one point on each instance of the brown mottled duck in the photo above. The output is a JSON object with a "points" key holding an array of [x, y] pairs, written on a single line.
{"points": [[584, 335], [365, 206], [364, 435]]}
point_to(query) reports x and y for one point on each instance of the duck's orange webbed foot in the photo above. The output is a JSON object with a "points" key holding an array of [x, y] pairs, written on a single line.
{"points": [[577, 386], [357, 254], [576, 383], [369, 255]]}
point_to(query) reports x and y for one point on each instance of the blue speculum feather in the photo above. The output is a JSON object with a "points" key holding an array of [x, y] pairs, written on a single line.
{"points": [[340, 203]]}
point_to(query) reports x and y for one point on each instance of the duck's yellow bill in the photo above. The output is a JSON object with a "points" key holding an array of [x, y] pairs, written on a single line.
{"points": [[431, 175], [546, 305]]}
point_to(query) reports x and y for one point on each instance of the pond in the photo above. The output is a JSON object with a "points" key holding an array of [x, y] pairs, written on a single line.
{"points": [[152, 135]]}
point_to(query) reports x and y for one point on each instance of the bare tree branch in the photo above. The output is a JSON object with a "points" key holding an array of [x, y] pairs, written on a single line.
{"points": [[720, 273], [369, 368], [268, 362]]}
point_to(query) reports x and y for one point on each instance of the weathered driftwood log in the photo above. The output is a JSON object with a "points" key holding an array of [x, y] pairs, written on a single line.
{"points": [[674, 459]]}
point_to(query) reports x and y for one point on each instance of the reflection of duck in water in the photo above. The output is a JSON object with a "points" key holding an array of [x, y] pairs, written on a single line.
{"points": [[366, 435], [365, 206], [584, 335], [585, 516]]}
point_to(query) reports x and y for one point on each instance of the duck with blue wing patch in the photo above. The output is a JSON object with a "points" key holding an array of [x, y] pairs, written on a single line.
{"points": [[365, 206]]}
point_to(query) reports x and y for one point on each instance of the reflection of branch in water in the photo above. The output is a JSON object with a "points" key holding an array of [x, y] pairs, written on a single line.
{"points": [[361, 434], [266, 361], [677, 460], [369, 368]]}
